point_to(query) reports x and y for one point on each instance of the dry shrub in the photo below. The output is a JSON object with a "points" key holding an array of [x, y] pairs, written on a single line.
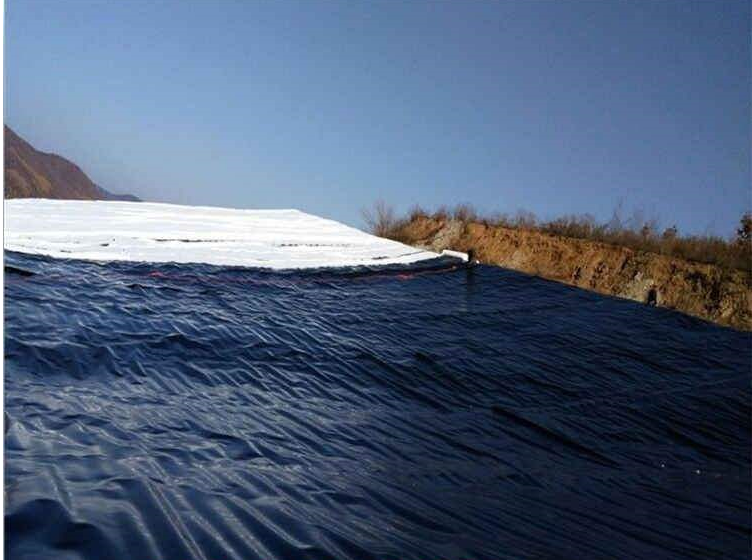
{"points": [[524, 219], [465, 213], [744, 232], [441, 214], [416, 212], [381, 220], [501, 219]]}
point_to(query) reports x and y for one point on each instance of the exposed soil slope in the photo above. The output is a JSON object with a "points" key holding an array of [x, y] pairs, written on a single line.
{"points": [[30, 173], [703, 290]]}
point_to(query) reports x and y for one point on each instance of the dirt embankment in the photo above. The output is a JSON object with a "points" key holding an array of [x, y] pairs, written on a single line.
{"points": [[703, 290]]}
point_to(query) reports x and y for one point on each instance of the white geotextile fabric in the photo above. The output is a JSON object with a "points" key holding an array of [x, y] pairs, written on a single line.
{"points": [[151, 232]]}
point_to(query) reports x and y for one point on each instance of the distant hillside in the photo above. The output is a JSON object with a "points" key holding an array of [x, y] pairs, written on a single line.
{"points": [[30, 173]]}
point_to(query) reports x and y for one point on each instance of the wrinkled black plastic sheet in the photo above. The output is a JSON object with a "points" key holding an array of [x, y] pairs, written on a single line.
{"points": [[427, 412]]}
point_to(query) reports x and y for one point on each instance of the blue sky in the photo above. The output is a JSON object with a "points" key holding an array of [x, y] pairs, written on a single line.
{"points": [[552, 106]]}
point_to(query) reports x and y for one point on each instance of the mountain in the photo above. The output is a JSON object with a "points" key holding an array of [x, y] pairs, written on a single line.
{"points": [[30, 173]]}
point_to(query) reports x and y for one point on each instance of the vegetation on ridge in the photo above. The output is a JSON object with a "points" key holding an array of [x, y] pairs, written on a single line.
{"points": [[635, 233]]}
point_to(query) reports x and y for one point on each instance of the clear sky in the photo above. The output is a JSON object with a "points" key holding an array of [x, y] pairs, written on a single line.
{"points": [[557, 106]]}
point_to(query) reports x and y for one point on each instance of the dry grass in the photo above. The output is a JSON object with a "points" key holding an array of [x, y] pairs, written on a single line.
{"points": [[635, 233]]}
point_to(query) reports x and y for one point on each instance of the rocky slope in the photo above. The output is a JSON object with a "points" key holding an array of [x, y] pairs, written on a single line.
{"points": [[30, 173], [703, 290]]}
